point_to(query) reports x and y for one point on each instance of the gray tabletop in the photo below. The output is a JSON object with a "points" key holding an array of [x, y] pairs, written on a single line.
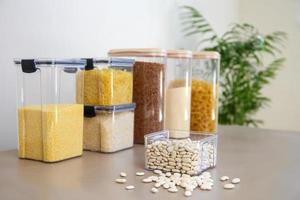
{"points": [[267, 162]]}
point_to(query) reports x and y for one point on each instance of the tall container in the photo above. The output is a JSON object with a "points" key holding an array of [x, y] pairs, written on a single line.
{"points": [[178, 93], [107, 82], [205, 84], [50, 122], [148, 89]]}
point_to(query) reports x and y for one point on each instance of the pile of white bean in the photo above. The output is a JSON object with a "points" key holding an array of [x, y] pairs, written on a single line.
{"points": [[170, 181], [180, 156]]}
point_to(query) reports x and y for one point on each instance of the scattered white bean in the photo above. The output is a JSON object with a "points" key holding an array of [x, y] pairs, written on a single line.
{"points": [[187, 193], [121, 180], [206, 186], [166, 186], [154, 190], [157, 185], [140, 173], [173, 189], [130, 187], [229, 186], [147, 180], [123, 174], [224, 178], [235, 180]]}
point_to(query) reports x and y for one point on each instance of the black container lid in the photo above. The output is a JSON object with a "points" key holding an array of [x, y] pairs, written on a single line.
{"points": [[90, 111], [121, 63]]}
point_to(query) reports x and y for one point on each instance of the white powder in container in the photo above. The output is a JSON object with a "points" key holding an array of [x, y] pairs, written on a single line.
{"points": [[108, 128], [177, 118]]}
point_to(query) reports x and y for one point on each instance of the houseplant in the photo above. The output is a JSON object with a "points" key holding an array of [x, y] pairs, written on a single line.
{"points": [[244, 71]]}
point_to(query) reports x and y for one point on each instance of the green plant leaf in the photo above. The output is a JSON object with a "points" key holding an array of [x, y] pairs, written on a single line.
{"points": [[243, 71]]}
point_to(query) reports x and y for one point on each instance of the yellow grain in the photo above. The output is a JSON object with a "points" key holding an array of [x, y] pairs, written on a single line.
{"points": [[50, 133]]}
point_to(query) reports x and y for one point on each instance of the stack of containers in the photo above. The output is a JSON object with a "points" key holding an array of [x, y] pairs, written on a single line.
{"points": [[190, 144], [108, 110], [178, 93], [148, 89], [50, 122]]}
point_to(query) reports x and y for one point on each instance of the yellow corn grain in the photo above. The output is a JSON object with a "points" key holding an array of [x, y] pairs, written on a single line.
{"points": [[50, 133]]}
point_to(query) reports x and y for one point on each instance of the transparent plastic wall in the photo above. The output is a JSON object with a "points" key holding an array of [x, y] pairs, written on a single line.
{"points": [[148, 89], [205, 85], [186, 156], [178, 93], [50, 121]]}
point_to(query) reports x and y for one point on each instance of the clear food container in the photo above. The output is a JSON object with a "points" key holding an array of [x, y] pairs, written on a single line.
{"points": [[50, 122], [205, 84], [186, 156], [106, 82], [108, 128], [148, 89], [178, 93]]}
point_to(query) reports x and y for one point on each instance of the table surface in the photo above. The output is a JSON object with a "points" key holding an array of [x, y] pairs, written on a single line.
{"points": [[267, 162]]}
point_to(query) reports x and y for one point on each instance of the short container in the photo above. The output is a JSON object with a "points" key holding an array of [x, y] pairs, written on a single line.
{"points": [[186, 156], [50, 122], [108, 128], [178, 93], [205, 84], [148, 89], [106, 82]]}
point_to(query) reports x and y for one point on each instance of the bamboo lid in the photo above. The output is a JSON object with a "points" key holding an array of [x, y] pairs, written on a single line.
{"points": [[179, 54], [143, 52], [206, 55]]}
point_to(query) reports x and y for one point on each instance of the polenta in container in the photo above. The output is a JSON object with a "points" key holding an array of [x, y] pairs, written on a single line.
{"points": [[50, 121]]}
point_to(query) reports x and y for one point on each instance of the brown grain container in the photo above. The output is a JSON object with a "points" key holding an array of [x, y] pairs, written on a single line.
{"points": [[148, 89]]}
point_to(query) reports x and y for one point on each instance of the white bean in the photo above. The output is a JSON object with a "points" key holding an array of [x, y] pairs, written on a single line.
{"points": [[140, 173], [123, 174], [154, 190], [187, 193], [224, 178], [229, 186], [130, 187], [235, 180], [121, 180], [147, 180]]}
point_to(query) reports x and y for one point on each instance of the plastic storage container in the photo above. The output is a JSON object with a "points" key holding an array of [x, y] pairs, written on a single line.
{"points": [[108, 128], [178, 93], [186, 156], [148, 89], [205, 81], [106, 82], [50, 122]]}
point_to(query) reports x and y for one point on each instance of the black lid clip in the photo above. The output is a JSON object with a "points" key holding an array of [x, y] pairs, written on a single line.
{"points": [[89, 64], [28, 66], [89, 111]]}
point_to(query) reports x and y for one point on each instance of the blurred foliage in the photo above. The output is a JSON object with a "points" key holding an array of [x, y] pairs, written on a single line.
{"points": [[244, 72]]}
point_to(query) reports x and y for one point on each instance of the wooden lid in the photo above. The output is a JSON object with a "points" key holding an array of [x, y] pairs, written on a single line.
{"points": [[206, 55], [179, 54], [144, 52]]}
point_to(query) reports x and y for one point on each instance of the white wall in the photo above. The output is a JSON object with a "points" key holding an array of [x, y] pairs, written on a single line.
{"points": [[86, 28], [268, 16]]}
